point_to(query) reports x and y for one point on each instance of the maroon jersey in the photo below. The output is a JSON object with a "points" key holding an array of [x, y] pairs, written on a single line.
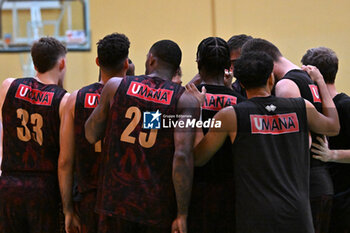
{"points": [[137, 163], [31, 125], [87, 156]]}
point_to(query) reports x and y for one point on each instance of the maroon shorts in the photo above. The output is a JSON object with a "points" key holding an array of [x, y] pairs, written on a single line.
{"points": [[28, 204], [109, 224], [86, 211], [321, 213]]}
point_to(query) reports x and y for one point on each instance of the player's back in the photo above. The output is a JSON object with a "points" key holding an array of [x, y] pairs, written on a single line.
{"points": [[137, 162], [87, 156], [320, 180], [340, 172], [272, 166], [220, 166], [212, 200], [31, 125]]}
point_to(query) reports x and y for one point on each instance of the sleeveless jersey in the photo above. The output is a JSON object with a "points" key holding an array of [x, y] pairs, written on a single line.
{"points": [[220, 166], [87, 156], [340, 172], [212, 198], [137, 161], [31, 126], [320, 180], [271, 163]]}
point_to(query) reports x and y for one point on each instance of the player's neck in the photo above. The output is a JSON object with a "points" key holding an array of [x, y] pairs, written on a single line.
{"points": [[283, 66], [217, 80], [107, 76], [162, 73], [49, 77], [332, 90], [104, 79], [258, 92]]}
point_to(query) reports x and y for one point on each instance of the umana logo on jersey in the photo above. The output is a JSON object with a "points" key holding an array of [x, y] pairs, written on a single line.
{"points": [[274, 124], [142, 91], [91, 100], [34, 96], [216, 102], [315, 94]]}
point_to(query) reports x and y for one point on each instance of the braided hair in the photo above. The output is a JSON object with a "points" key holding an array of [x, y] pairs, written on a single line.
{"points": [[213, 55]]}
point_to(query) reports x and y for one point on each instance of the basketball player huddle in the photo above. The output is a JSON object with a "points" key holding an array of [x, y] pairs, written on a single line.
{"points": [[277, 163]]}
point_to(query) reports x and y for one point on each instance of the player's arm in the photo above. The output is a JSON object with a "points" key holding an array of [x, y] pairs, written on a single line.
{"points": [[216, 137], [286, 88], [3, 91], [95, 126], [328, 122], [66, 164], [188, 107], [323, 153]]}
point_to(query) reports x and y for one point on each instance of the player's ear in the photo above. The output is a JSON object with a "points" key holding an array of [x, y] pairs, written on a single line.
{"points": [[152, 59], [97, 61], [126, 64], [271, 81], [62, 64]]}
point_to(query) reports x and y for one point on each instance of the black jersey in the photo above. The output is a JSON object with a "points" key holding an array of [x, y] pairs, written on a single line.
{"points": [[271, 163], [212, 200], [31, 125], [220, 166], [87, 156], [320, 180], [341, 172]]}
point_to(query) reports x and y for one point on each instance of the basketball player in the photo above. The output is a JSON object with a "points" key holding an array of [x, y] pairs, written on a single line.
{"points": [[235, 44], [143, 169], [31, 112], [212, 202], [270, 149], [327, 62], [112, 59], [294, 82]]}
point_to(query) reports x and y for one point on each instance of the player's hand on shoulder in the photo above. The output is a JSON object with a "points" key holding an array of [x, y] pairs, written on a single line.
{"points": [[314, 72], [200, 96]]}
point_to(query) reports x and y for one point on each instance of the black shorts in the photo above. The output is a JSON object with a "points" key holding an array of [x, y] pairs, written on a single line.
{"points": [[340, 217], [321, 213], [212, 208]]}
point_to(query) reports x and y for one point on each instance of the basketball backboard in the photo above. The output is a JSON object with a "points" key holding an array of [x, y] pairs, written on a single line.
{"points": [[23, 22]]}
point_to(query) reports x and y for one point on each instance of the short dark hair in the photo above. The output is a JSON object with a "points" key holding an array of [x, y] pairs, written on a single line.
{"points": [[213, 55], [253, 69], [46, 52], [262, 45], [168, 53], [112, 50], [236, 42], [325, 60]]}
